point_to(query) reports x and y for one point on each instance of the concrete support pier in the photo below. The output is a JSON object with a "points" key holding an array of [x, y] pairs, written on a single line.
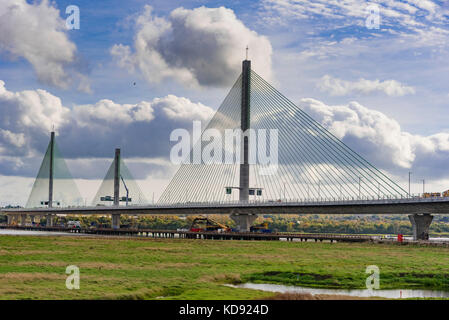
{"points": [[23, 219], [50, 220], [9, 219], [115, 221], [243, 221], [420, 225]]}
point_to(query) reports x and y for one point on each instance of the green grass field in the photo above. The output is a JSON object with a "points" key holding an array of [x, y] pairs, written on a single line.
{"points": [[119, 268]]}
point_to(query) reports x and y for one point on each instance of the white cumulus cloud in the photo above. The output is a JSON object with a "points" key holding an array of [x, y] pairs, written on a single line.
{"points": [[198, 47], [108, 112], [182, 108], [28, 115], [380, 138], [90, 130], [36, 33], [339, 87]]}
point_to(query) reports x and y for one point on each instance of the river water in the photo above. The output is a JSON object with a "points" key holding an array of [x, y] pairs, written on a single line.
{"points": [[52, 233], [10, 232], [363, 293]]}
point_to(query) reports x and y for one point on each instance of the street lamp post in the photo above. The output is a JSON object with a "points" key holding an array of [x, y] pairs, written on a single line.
{"points": [[319, 190], [409, 175], [360, 182], [284, 192], [340, 192]]}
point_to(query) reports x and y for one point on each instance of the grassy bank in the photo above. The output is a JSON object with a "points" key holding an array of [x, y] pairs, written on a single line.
{"points": [[34, 267]]}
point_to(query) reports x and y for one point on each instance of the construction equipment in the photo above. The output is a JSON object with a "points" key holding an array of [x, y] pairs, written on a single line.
{"points": [[201, 224], [260, 228], [431, 195]]}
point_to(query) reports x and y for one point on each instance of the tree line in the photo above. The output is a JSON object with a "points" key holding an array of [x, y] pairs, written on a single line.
{"points": [[346, 224]]}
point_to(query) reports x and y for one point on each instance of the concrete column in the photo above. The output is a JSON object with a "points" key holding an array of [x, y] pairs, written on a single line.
{"points": [[50, 220], [420, 225], [8, 219], [23, 219], [50, 180], [116, 221], [245, 125], [243, 221], [32, 219], [117, 178]]}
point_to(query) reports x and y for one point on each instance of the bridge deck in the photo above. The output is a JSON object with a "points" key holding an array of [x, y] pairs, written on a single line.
{"points": [[376, 206]]}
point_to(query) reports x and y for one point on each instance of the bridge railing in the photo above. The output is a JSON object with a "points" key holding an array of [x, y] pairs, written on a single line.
{"points": [[276, 202]]}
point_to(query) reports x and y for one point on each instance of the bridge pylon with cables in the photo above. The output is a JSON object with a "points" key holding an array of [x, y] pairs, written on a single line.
{"points": [[311, 163], [281, 162]]}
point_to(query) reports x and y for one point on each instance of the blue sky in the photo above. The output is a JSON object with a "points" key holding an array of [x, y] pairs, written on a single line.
{"points": [[109, 23], [320, 54]]}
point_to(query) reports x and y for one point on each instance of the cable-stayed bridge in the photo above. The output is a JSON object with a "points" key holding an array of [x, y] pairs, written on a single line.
{"points": [[279, 160]]}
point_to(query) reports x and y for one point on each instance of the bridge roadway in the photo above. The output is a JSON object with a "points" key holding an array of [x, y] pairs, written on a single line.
{"points": [[378, 206]]}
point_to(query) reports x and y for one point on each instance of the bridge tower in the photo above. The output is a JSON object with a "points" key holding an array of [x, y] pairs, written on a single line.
{"points": [[54, 184], [245, 125], [50, 217], [116, 217], [52, 162], [244, 220], [51, 178], [109, 192]]}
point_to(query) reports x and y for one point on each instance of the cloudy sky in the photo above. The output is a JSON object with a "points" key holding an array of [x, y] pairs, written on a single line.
{"points": [[136, 70]]}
